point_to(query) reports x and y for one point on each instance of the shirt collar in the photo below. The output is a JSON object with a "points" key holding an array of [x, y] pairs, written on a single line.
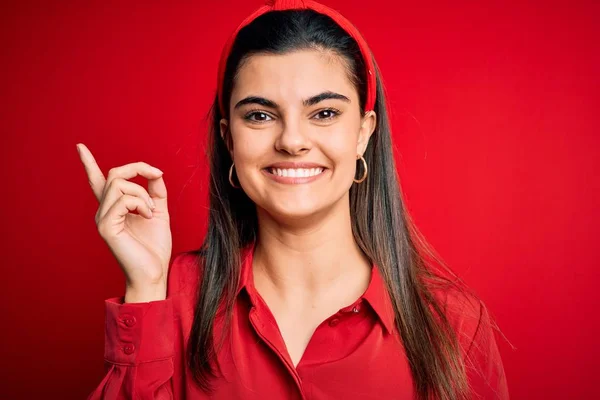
{"points": [[376, 294], [246, 277], [378, 297]]}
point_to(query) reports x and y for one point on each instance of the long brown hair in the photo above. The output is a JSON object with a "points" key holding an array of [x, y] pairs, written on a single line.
{"points": [[380, 223]]}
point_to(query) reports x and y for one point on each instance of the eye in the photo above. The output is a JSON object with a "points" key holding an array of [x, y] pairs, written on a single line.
{"points": [[259, 116], [329, 113]]}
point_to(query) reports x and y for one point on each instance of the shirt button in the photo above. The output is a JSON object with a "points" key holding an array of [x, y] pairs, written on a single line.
{"points": [[129, 348], [128, 320], [356, 309], [334, 322]]}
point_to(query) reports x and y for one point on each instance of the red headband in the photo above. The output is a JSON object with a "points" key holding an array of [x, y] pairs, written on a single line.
{"points": [[312, 5]]}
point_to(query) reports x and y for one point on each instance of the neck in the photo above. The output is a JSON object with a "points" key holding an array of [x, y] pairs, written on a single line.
{"points": [[310, 261]]}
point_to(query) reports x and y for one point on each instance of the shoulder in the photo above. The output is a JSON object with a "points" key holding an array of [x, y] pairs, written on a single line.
{"points": [[470, 319], [467, 315], [184, 273]]}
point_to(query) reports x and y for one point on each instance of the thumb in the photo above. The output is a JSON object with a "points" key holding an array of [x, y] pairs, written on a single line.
{"points": [[158, 191]]}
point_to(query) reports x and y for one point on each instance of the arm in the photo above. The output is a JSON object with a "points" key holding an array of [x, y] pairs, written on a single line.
{"points": [[138, 350], [139, 346], [485, 371]]}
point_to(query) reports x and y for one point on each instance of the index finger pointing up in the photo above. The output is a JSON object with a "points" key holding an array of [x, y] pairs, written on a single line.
{"points": [[95, 176]]}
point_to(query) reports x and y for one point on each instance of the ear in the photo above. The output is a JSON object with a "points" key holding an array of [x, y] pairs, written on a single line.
{"points": [[367, 127], [226, 135]]}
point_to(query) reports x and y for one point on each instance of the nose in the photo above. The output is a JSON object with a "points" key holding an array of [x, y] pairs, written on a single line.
{"points": [[293, 138]]}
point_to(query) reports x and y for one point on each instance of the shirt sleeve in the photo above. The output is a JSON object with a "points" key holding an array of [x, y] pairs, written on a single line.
{"points": [[484, 367], [139, 345]]}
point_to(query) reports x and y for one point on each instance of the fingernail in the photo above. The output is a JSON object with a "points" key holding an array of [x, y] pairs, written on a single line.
{"points": [[151, 203], [158, 171]]}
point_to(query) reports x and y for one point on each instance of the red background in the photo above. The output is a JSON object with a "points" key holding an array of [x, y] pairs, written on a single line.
{"points": [[494, 108]]}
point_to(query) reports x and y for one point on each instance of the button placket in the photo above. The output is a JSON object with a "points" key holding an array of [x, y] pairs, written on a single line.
{"points": [[127, 322]]}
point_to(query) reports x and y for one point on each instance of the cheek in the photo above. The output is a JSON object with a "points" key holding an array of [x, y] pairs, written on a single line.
{"points": [[340, 148], [248, 146], [249, 149]]}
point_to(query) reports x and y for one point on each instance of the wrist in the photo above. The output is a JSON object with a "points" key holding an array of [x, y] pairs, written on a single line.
{"points": [[145, 293]]}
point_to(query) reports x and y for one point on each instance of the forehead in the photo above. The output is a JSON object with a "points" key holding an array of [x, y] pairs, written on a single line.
{"points": [[294, 76]]}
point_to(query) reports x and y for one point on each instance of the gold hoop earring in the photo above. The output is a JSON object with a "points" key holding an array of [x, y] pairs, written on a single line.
{"points": [[231, 176], [364, 173]]}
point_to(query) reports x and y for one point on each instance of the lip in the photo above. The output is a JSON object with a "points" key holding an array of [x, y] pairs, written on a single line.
{"points": [[292, 165]]}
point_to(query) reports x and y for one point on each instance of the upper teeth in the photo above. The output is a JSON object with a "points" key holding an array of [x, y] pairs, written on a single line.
{"points": [[297, 173]]}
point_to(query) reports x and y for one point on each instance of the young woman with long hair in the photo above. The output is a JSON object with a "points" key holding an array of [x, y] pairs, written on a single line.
{"points": [[312, 281]]}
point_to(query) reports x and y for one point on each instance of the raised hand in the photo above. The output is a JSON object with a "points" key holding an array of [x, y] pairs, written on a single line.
{"points": [[142, 242]]}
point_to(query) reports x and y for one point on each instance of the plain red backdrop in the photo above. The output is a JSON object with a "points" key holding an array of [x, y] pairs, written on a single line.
{"points": [[494, 110]]}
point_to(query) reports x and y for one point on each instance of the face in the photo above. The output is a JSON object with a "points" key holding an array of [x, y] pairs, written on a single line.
{"points": [[295, 132]]}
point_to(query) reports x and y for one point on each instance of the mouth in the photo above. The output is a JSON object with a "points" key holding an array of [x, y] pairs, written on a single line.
{"points": [[294, 174]]}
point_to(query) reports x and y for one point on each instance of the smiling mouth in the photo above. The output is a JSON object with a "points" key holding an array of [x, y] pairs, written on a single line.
{"points": [[295, 172]]}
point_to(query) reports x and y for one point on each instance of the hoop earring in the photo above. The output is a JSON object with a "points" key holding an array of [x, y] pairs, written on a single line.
{"points": [[364, 173], [231, 176]]}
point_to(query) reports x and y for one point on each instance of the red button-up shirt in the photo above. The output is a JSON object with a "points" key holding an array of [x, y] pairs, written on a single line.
{"points": [[356, 353]]}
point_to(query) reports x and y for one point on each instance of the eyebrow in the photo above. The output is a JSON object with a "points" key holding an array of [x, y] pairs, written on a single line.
{"points": [[307, 103]]}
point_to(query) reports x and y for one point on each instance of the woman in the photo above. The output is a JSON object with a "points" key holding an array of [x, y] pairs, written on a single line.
{"points": [[311, 283]]}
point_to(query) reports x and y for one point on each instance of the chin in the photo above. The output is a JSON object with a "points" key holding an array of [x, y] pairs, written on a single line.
{"points": [[293, 210]]}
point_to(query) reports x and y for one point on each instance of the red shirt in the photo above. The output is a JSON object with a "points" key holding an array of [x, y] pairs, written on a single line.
{"points": [[354, 354]]}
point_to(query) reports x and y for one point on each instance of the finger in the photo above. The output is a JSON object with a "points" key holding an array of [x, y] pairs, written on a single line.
{"points": [[132, 170], [158, 192], [93, 171], [119, 187], [113, 219]]}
